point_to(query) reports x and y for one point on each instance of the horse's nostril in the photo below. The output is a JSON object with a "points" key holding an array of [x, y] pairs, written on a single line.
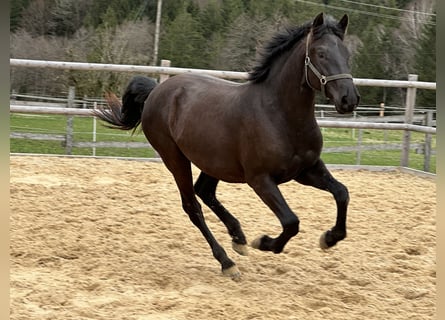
{"points": [[350, 101]]}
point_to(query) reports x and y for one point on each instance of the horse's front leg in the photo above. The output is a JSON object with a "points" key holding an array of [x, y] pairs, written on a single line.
{"points": [[268, 191], [319, 177]]}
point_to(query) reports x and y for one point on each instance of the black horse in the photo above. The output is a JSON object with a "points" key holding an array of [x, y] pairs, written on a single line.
{"points": [[262, 132]]}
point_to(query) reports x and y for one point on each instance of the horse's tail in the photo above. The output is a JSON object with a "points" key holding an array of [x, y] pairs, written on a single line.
{"points": [[127, 115]]}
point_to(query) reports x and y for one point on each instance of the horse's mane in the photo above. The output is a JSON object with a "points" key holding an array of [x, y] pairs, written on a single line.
{"points": [[285, 40]]}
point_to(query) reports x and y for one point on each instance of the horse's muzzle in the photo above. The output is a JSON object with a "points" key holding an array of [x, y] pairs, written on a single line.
{"points": [[347, 104]]}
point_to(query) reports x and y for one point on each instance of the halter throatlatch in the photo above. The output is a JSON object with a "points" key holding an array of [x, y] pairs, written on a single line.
{"points": [[323, 79]]}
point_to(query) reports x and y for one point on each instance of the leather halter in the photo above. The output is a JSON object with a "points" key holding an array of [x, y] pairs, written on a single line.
{"points": [[323, 79]]}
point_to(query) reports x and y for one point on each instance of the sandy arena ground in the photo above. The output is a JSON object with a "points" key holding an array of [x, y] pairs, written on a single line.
{"points": [[107, 239]]}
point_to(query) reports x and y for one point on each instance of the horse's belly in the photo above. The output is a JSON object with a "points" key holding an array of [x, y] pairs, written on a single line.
{"points": [[214, 159], [286, 167], [293, 166], [224, 173]]}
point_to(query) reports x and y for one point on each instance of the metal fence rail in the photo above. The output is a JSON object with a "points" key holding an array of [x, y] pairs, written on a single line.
{"points": [[173, 71], [322, 123], [69, 143], [165, 71]]}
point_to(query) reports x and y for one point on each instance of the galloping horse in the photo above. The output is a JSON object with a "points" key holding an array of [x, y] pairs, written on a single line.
{"points": [[262, 132]]}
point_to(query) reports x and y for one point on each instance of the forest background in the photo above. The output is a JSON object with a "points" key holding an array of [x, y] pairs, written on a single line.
{"points": [[388, 39]]}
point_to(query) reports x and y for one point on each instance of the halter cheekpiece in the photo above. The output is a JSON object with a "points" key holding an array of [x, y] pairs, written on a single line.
{"points": [[323, 79]]}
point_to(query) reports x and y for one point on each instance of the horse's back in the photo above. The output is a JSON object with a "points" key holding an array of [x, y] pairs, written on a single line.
{"points": [[202, 116], [202, 86], [189, 97]]}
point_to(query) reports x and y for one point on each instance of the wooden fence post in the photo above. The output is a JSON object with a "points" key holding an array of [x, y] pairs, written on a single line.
{"points": [[359, 147], [382, 109], [428, 137], [409, 113], [353, 130], [322, 116], [69, 122], [94, 130], [163, 77]]}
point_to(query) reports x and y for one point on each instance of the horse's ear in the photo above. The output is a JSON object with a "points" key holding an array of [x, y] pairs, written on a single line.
{"points": [[343, 23], [319, 20]]}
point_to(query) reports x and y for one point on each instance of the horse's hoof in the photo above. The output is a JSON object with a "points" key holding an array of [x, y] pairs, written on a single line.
{"points": [[240, 248], [233, 273], [256, 243], [323, 243]]}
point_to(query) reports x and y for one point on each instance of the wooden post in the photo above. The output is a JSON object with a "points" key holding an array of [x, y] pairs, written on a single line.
{"points": [[382, 109], [409, 113], [353, 130], [359, 147], [69, 122], [157, 32], [94, 130], [13, 96], [163, 77], [428, 137], [322, 116]]}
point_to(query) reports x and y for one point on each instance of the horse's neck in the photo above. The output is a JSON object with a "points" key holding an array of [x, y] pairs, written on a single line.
{"points": [[294, 95]]}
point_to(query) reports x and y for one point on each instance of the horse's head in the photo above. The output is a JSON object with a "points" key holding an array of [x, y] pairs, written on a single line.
{"points": [[326, 63]]}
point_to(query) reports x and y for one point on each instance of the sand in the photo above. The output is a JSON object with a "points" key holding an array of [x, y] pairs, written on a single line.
{"points": [[107, 239]]}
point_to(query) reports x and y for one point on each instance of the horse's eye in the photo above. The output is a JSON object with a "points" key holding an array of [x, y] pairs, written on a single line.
{"points": [[321, 55]]}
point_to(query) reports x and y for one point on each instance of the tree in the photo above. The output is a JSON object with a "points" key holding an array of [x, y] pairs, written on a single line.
{"points": [[39, 81], [425, 64], [182, 42], [370, 63], [230, 10], [244, 39], [270, 9], [129, 43], [36, 17], [67, 16], [122, 10], [211, 19], [17, 7]]}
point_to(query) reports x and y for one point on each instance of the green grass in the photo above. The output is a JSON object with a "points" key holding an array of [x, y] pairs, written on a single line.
{"points": [[349, 137], [83, 131]]}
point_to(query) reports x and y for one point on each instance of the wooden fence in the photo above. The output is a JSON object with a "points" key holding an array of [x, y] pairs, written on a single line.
{"points": [[165, 71], [68, 139]]}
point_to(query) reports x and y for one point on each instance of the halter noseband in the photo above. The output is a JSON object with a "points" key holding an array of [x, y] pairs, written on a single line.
{"points": [[323, 79]]}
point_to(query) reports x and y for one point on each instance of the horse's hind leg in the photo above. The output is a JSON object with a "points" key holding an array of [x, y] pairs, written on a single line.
{"points": [[180, 167], [319, 177], [205, 188]]}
